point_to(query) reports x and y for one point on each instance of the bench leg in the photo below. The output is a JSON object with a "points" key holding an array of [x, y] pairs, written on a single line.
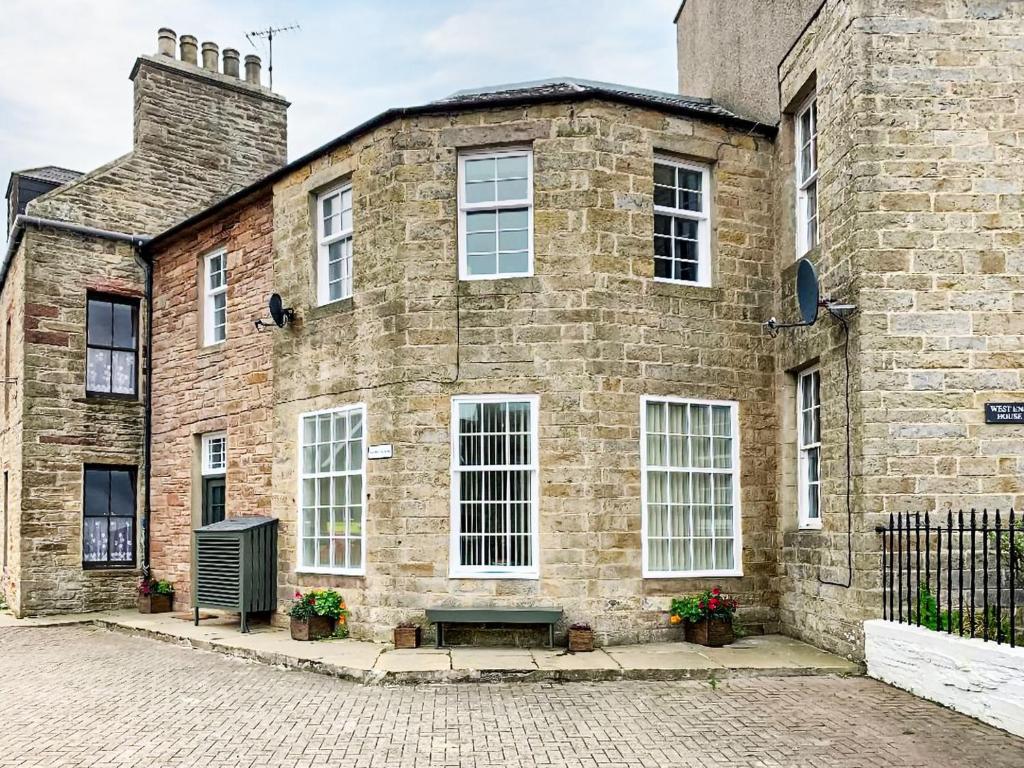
{"points": [[438, 635], [551, 635]]}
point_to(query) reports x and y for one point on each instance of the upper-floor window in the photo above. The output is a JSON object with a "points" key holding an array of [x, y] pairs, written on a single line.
{"points": [[332, 495], [215, 453], [111, 348], [690, 493], [108, 530], [334, 244], [496, 214], [215, 297], [682, 227], [808, 398], [807, 176]]}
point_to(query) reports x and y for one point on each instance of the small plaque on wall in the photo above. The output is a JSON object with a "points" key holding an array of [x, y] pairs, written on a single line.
{"points": [[1004, 413], [382, 451]]}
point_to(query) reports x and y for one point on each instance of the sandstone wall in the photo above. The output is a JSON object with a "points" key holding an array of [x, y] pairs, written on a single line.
{"points": [[590, 333], [12, 307], [196, 389]]}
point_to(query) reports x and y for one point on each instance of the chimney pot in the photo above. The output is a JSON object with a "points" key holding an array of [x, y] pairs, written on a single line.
{"points": [[252, 69], [189, 49], [166, 41], [210, 56], [230, 62]]}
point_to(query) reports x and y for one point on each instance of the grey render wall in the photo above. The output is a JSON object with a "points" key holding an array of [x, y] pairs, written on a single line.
{"points": [[730, 51]]}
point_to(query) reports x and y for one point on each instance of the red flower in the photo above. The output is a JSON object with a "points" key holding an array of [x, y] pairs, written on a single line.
{"points": [[713, 604], [298, 594], [701, 605], [716, 591]]}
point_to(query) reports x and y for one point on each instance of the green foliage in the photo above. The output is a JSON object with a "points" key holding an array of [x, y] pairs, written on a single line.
{"points": [[150, 586], [710, 603], [318, 602], [935, 618]]}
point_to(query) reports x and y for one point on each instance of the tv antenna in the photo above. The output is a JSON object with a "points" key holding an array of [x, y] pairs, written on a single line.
{"points": [[269, 33]]}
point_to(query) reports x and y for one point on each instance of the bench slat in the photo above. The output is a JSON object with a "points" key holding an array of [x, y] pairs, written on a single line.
{"points": [[493, 615]]}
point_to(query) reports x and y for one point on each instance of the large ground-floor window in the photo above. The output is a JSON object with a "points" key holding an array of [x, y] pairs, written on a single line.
{"points": [[331, 491], [690, 491], [494, 486]]}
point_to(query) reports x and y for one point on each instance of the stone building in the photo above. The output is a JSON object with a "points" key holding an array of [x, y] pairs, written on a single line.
{"points": [[75, 316], [546, 306]]}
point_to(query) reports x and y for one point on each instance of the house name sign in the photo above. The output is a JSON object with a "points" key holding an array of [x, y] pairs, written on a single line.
{"points": [[1004, 413]]}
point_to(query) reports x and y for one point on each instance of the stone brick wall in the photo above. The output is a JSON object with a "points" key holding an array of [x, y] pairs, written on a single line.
{"points": [[590, 333], [198, 137], [919, 144], [62, 428], [197, 389], [12, 307]]}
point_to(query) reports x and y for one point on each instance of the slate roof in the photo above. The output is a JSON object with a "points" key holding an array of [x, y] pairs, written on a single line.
{"points": [[575, 86], [51, 173]]}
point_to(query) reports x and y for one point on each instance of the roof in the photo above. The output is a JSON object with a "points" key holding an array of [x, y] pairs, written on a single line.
{"points": [[231, 524], [51, 173], [569, 86], [559, 89]]}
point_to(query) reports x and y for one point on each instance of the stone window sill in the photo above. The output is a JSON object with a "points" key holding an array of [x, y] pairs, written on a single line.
{"points": [[688, 292], [326, 310]]}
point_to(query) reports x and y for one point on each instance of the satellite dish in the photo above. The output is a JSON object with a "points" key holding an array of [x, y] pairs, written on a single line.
{"points": [[807, 291], [278, 312]]}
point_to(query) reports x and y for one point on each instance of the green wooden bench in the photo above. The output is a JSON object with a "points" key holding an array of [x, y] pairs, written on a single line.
{"points": [[442, 616]]}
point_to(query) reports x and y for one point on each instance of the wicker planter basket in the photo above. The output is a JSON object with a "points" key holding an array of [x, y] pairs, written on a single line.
{"points": [[407, 637], [156, 603], [315, 628], [581, 640], [710, 632]]}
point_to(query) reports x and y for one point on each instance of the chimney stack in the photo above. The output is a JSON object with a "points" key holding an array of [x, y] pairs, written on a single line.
{"points": [[166, 42], [230, 62], [252, 69], [210, 57], [189, 49]]}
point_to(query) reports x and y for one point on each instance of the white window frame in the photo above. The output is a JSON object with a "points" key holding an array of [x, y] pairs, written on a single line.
{"points": [[302, 567], [803, 185], [323, 291], [209, 296], [702, 217], [803, 451], [465, 208], [208, 468], [736, 494], [455, 569]]}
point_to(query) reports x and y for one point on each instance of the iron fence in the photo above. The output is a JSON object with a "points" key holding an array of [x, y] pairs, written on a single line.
{"points": [[963, 574]]}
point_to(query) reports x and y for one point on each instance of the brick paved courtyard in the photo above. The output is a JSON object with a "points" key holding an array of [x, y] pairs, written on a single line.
{"points": [[83, 696]]}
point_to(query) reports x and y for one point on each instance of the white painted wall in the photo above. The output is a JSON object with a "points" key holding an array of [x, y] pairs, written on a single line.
{"points": [[980, 679]]}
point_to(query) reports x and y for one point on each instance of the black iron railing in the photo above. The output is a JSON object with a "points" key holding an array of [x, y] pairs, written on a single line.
{"points": [[958, 573]]}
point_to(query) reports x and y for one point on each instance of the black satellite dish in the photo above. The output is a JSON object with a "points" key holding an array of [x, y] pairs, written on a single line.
{"points": [[279, 313], [807, 291]]}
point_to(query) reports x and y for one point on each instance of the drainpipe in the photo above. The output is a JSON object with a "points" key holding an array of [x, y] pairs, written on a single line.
{"points": [[147, 445]]}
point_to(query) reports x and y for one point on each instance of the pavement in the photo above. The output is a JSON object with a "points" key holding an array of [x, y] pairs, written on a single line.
{"points": [[79, 696], [376, 663]]}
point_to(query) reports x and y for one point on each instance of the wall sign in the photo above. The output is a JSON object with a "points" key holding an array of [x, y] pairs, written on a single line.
{"points": [[382, 451], [1004, 413]]}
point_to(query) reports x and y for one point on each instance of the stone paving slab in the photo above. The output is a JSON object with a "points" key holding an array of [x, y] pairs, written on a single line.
{"points": [[375, 663]]}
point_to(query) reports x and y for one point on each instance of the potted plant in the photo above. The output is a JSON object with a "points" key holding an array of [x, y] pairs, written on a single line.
{"points": [[407, 635], [581, 638], [707, 617], [315, 614], [155, 596]]}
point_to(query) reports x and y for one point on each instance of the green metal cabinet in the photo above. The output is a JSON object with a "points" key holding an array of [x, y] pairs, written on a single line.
{"points": [[236, 566]]}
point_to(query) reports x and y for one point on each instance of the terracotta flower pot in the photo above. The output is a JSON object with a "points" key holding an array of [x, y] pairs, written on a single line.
{"points": [[713, 633], [581, 640], [156, 603], [407, 637], [314, 628]]}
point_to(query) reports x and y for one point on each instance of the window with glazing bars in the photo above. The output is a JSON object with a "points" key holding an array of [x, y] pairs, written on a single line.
{"points": [[682, 229], [108, 535], [334, 249], [807, 176], [215, 297], [494, 482], [111, 356], [332, 497], [809, 448], [690, 488]]}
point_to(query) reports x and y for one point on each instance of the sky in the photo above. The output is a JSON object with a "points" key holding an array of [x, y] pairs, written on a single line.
{"points": [[65, 97]]}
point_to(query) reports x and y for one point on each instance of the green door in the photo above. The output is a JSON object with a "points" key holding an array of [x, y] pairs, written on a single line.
{"points": [[213, 500]]}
